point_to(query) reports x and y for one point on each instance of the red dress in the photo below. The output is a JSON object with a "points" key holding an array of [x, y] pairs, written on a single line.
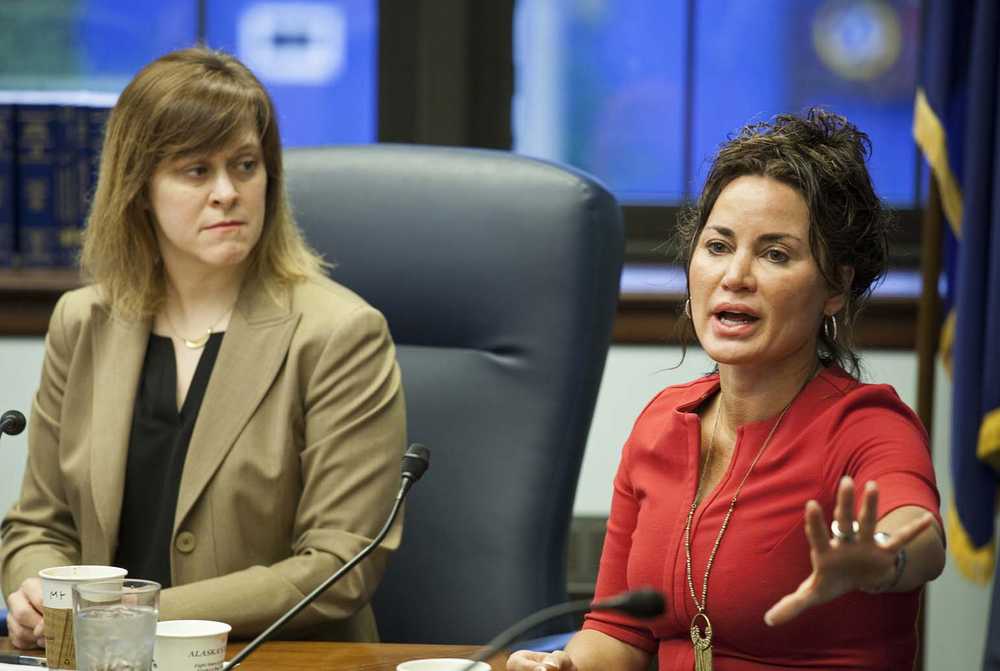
{"points": [[835, 427]]}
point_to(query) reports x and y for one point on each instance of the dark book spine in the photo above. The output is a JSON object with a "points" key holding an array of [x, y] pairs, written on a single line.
{"points": [[37, 137], [96, 117], [71, 140], [8, 212]]}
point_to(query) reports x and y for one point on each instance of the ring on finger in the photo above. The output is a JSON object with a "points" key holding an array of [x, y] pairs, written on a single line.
{"points": [[845, 536]]}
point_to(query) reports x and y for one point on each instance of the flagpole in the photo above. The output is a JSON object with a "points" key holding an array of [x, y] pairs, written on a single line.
{"points": [[929, 312], [928, 339]]}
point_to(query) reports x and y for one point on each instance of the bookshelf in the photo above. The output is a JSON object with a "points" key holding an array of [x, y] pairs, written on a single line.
{"points": [[27, 297]]}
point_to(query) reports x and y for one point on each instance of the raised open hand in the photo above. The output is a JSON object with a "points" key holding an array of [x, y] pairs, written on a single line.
{"points": [[853, 560]]}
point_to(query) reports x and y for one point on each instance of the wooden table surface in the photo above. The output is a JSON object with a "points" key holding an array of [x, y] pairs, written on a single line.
{"points": [[305, 655], [288, 655]]}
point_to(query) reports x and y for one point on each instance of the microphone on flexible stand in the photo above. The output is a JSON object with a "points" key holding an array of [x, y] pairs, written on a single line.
{"points": [[644, 604], [12, 423], [415, 462]]}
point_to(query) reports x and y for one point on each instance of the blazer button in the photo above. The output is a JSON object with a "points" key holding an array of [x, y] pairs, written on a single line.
{"points": [[185, 542]]}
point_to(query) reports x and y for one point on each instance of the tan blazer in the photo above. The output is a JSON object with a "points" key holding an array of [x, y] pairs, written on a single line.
{"points": [[291, 469]]}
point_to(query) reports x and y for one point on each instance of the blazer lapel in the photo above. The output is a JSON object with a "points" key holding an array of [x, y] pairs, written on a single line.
{"points": [[119, 348], [253, 350]]}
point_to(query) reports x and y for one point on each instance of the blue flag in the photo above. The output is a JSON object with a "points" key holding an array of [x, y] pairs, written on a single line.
{"points": [[957, 125]]}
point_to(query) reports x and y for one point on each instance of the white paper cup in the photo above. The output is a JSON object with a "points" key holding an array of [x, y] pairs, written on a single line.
{"points": [[190, 645], [57, 608], [442, 664]]}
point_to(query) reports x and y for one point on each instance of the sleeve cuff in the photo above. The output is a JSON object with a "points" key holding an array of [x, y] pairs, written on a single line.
{"points": [[622, 633]]}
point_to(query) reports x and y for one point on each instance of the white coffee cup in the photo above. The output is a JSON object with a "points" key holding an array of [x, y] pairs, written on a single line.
{"points": [[57, 607], [442, 664], [190, 645]]}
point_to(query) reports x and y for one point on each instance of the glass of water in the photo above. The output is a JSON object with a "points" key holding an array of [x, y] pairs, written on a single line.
{"points": [[115, 624]]}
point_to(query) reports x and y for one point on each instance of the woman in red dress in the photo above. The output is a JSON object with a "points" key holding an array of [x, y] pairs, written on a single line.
{"points": [[782, 250]]}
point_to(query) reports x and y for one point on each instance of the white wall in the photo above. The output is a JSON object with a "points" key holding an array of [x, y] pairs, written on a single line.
{"points": [[957, 611], [20, 369]]}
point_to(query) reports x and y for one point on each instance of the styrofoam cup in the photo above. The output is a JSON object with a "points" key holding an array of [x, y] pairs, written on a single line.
{"points": [[442, 664], [190, 645]]}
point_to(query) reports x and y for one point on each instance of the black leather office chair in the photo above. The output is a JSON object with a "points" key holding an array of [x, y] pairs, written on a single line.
{"points": [[499, 276]]}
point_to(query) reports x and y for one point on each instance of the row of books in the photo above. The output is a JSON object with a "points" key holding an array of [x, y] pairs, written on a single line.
{"points": [[50, 146]]}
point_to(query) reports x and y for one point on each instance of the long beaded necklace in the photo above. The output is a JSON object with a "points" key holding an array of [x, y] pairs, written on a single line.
{"points": [[702, 642]]}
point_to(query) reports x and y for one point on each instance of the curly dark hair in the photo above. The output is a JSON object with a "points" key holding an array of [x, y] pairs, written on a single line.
{"points": [[822, 156]]}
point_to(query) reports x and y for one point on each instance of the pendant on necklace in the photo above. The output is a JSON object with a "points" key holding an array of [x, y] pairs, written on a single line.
{"points": [[702, 644], [197, 343]]}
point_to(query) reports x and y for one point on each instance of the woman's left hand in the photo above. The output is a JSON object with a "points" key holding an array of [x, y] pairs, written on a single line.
{"points": [[858, 562]]}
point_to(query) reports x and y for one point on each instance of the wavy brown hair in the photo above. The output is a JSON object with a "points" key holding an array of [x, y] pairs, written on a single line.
{"points": [[192, 101], [823, 157]]}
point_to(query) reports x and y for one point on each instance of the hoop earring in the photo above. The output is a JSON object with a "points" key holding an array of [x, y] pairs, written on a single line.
{"points": [[687, 307], [830, 331]]}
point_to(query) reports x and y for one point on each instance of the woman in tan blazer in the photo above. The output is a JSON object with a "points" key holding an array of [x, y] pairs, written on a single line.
{"points": [[212, 411]]}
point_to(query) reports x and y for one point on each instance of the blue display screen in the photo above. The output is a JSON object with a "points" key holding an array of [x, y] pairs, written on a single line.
{"points": [[317, 58], [640, 93]]}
